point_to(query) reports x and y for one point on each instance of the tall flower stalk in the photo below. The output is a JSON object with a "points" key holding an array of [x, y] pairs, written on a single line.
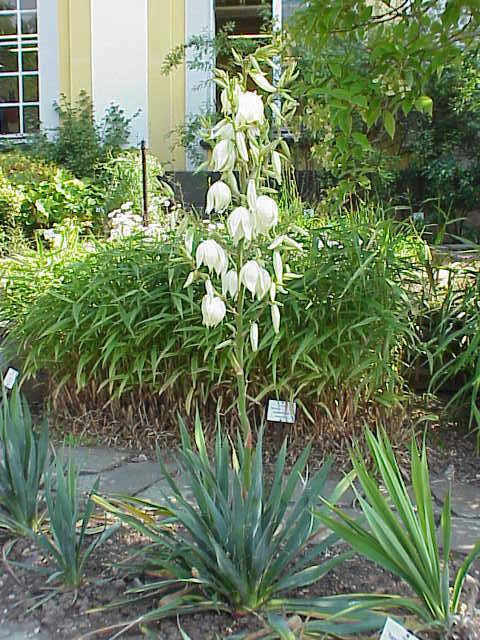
{"points": [[246, 264]]}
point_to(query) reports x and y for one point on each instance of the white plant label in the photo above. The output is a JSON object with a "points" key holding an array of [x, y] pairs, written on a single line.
{"points": [[281, 411], [394, 631], [10, 378]]}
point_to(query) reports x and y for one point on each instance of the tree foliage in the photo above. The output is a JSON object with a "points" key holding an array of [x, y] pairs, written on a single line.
{"points": [[367, 63]]}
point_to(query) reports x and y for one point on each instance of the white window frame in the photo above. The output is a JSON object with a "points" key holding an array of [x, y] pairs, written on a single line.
{"points": [[18, 40]]}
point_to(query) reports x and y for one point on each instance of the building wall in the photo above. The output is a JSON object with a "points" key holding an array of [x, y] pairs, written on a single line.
{"points": [[90, 44]]}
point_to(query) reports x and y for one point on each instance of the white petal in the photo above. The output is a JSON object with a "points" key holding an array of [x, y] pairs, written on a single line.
{"points": [[278, 266], [275, 311], [254, 336]]}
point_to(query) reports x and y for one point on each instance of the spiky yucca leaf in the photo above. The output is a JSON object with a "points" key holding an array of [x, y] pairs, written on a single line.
{"points": [[23, 459]]}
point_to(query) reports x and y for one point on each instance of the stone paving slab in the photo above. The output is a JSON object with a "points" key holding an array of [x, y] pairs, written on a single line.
{"points": [[128, 479], [465, 534], [465, 497], [94, 459]]}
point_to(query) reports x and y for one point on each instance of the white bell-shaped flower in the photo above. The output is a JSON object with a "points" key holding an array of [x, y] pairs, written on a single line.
{"points": [[213, 310], [242, 146], [266, 214], [212, 255], [254, 336], [250, 108], [264, 284], [278, 266], [230, 283], [240, 225], [223, 130], [223, 156], [219, 197], [249, 275], [275, 311]]}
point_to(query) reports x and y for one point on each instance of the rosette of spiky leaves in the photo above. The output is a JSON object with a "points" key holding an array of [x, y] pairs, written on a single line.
{"points": [[65, 543], [240, 543], [23, 459], [400, 534]]}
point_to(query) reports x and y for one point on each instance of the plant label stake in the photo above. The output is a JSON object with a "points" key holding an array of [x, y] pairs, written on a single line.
{"points": [[281, 411], [394, 631], [10, 378]]}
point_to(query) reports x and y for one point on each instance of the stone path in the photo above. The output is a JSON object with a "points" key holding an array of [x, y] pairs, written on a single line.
{"points": [[120, 472]]}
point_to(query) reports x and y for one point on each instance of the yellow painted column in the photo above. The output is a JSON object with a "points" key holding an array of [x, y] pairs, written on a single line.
{"points": [[75, 47], [166, 94]]}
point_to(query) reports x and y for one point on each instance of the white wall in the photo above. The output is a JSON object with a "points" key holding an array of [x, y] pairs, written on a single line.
{"points": [[120, 60], [48, 61], [199, 95]]}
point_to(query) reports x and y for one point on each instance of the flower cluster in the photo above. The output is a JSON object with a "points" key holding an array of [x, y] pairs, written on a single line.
{"points": [[243, 154], [125, 222]]}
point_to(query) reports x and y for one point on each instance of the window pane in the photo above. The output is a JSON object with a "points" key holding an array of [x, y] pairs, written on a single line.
{"points": [[31, 119], [9, 120], [29, 23], [30, 88], [8, 25], [9, 89], [28, 4], [29, 60], [8, 58], [8, 4]]}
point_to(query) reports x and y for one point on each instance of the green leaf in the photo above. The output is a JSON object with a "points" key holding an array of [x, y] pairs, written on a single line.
{"points": [[389, 123]]}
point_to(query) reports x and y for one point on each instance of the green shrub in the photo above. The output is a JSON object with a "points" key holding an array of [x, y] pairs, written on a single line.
{"points": [[23, 460], [80, 144], [65, 542], [122, 180], [240, 543], [401, 534], [119, 319], [21, 168], [11, 200]]}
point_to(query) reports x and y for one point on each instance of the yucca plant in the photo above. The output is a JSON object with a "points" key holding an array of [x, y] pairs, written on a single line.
{"points": [[65, 540], [23, 459], [400, 532], [243, 544]]}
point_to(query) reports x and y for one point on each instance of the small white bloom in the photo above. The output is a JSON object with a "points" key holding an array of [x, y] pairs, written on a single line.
{"points": [[254, 336], [273, 291], [278, 266], [240, 225], [277, 165], [230, 283], [213, 310], [223, 156], [189, 280], [275, 311], [266, 214], [242, 146], [189, 235], [212, 255], [49, 234], [219, 197], [251, 194], [250, 109], [223, 130], [287, 241], [264, 284]]}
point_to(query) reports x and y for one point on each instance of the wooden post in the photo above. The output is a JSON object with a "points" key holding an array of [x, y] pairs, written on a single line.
{"points": [[144, 182]]}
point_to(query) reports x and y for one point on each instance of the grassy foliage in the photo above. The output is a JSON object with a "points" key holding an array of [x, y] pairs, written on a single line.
{"points": [[23, 459], [455, 341], [119, 318], [240, 544], [401, 534]]}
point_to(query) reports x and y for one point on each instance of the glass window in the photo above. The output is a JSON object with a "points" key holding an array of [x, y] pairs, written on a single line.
{"points": [[8, 24], [29, 22], [9, 120], [19, 81], [8, 58], [9, 89]]}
